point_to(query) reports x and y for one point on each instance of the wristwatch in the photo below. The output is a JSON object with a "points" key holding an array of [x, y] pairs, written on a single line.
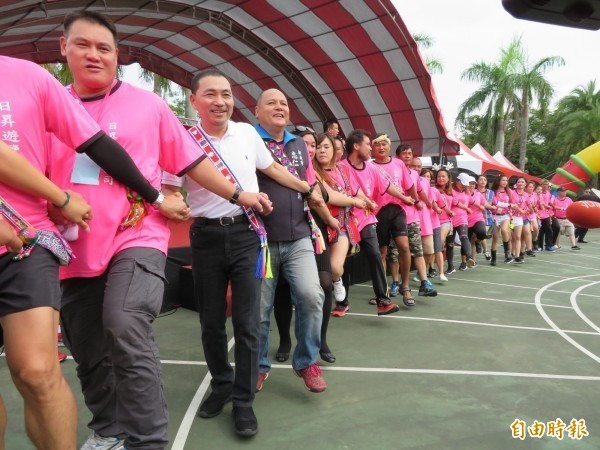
{"points": [[235, 196], [310, 191], [159, 200]]}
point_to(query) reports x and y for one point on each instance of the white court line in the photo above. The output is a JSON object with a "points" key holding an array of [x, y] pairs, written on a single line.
{"points": [[422, 371], [562, 333], [578, 310], [465, 322], [530, 287], [445, 294], [190, 414], [556, 263]]}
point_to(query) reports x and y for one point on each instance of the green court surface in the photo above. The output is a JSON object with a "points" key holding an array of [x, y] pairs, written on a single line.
{"points": [[496, 345]]}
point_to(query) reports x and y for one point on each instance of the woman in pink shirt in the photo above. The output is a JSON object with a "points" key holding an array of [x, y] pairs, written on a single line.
{"points": [[501, 207], [461, 206], [443, 183], [532, 201], [476, 219], [521, 231], [438, 204]]}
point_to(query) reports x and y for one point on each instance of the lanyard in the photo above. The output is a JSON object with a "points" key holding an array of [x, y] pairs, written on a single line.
{"points": [[263, 265]]}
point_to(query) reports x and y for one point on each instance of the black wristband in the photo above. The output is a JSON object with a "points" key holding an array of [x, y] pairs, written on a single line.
{"points": [[236, 195], [66, 201]]}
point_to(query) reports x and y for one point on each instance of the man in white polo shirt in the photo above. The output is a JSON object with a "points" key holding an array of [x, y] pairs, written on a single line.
{"points": [[225, 248]]}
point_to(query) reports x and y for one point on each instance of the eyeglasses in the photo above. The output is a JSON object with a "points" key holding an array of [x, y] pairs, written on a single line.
{"points": [[302, 129]]}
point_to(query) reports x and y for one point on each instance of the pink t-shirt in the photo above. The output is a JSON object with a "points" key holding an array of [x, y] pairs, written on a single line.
{"points": [[448, 201], [373, 184], [544, 209], [425, 213], [145, 126], [560, 207], [345, 184], [400, 174], [436, 197], [460, 215], [476, 212], [532, 200], [502, 202], [520, 199], [32, 104]]}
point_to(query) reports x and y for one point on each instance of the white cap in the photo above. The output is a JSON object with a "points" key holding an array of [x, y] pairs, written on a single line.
{"points": [[463, 178]]}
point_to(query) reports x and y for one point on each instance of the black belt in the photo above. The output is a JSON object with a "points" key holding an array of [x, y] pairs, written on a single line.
{"points": [[223, 221]]}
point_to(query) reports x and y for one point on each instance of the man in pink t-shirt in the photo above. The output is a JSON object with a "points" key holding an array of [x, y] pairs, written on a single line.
{"points": [[405, 153], [119, 271], [33, 107], [393, 216], [373, 187]]}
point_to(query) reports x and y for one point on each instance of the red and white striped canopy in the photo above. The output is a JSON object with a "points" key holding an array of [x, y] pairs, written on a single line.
{"points": [[354, 60]]}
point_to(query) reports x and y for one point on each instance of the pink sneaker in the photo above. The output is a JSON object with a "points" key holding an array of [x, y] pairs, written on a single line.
{"points": [[261, 380], [61, 357], [313, 378]]}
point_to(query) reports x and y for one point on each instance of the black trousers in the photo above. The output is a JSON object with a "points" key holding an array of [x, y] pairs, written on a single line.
{"points": [[370, 247], [545, 233], [223, 254]]}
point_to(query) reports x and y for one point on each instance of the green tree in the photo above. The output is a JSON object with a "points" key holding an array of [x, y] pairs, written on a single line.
{"points": [[161, 86], [496, 96], [529, 78]]}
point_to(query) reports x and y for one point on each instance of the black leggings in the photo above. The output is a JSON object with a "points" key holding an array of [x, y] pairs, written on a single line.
{"points": [[465, 245]]}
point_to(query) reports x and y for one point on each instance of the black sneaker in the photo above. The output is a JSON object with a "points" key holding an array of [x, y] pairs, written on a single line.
{"points": [[213, 406], [575, 247], [432, 273], [530, 253], [463, 266], [244, 421], [493, 263], [450, 270], [509, 260], [518, 260]]}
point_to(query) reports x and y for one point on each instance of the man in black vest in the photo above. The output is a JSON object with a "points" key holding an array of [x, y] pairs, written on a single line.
{"points": [[292, 253]]}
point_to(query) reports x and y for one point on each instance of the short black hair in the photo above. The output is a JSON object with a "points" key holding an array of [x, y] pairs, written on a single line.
{"points": [[402, 147], [330, 122], [210, 72], [91, 17], [355, 137]]}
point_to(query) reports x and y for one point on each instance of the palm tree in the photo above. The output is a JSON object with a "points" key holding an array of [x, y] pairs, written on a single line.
{"points": [[532, 86], [496, 95], [575, 124], [160, 85], [424, 41]]}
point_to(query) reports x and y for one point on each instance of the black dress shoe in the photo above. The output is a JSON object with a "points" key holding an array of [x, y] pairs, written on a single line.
{"points": [[213, 406], [244, 421], [327, 357], [282, 356]]}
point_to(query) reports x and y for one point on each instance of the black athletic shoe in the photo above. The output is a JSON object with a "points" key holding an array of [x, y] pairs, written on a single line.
{"points": [[213, 406], [244, 421]]}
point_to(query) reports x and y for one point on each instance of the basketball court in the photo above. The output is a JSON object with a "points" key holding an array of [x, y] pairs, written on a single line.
{"points": [[499, 346]]}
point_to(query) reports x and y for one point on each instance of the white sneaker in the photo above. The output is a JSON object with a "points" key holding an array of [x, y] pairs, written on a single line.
{"points": [[416, 278], [339, 291], [443, 278], [97, 442]]}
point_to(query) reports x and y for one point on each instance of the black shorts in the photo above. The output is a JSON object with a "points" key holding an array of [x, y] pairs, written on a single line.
{"points": [[391, 223], [29, 283]]}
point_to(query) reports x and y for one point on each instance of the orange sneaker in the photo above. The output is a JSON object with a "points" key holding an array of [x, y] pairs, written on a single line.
{"points": [[313, 378], [340, 310], [385, 306]]}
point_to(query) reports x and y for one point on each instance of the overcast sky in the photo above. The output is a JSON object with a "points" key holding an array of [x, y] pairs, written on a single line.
{"points": [[466, 31]]}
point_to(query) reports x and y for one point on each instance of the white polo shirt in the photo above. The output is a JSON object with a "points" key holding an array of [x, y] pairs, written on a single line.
{"points": [[244, 151]]}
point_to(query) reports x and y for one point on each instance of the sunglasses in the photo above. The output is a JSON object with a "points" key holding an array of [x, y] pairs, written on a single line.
{"points": [[302, 129]]}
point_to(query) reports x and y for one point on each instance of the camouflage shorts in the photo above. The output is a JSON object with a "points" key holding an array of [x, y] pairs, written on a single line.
{"points": [[414, 239]]}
